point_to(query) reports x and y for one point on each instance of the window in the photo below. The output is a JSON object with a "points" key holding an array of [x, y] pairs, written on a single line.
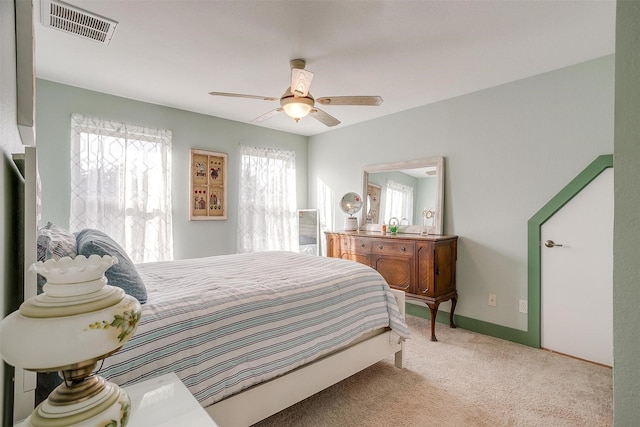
{"points": [[121, 185], [267, 200], [399, 202]]}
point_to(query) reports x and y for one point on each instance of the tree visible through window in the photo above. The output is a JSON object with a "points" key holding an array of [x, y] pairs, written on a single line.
{"points": [[121, 185], [267, 200]]}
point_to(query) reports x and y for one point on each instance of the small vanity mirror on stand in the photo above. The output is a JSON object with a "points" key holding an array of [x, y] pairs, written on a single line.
{"points": [[351, 204], [409, 194]]}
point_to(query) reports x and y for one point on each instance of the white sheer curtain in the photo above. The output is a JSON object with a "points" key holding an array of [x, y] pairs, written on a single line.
{"points": [[121, 185], [399, 202], [267, 200], [325, 200]]}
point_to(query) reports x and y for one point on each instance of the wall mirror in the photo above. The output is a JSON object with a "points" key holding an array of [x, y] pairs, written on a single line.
{"points": [[410, 193], [308, 231]]}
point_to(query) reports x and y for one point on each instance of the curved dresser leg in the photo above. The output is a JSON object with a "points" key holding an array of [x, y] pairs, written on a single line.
{"points": [[433, 308], [454, 300]]}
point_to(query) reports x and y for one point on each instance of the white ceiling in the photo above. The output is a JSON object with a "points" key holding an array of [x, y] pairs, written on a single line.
{"points": [[411, 53]]}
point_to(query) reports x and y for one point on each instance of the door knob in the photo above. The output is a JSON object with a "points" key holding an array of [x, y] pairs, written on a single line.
{"points": [[551, 244]]}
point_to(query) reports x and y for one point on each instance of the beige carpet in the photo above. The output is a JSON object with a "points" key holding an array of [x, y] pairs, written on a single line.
{"points": [[464, 379]]}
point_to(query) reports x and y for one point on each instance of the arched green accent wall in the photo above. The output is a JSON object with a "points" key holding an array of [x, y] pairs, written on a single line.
{"points": [[534, 229]]}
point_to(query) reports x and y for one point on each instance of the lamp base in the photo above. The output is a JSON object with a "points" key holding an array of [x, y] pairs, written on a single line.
{"points": [[91, 401], [351, 223]]}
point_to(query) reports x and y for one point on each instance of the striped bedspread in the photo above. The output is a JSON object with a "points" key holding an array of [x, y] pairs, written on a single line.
{"points": [[227, 322]]}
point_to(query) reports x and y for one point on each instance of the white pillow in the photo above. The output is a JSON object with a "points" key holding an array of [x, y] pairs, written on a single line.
{"points": [[54, 242]]}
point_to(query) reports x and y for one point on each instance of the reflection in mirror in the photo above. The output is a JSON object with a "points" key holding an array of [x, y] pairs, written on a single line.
{"points": [[373, 203], [408, 193]]}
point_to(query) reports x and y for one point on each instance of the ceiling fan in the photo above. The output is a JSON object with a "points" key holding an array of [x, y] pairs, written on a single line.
{"points": [[297, 102]]}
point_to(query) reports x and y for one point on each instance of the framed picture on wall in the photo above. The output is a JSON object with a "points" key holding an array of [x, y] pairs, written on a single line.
{"points": [[207, 185]]}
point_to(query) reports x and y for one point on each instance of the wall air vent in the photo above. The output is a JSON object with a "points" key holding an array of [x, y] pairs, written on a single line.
{"points": [[73, 20]]}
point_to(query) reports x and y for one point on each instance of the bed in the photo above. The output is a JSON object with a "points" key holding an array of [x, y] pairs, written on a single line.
{"points": [[260, 331], [241, 330]]}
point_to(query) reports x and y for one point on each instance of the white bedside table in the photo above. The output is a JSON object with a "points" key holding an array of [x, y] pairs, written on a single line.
{"points": [[165, 402], [162, 402]]}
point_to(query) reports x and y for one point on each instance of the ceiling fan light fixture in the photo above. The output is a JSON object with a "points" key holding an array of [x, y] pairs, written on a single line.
{"points": [[297, 102], [296, 107]]}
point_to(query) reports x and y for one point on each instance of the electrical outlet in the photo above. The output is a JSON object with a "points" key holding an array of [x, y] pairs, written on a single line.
{"points": [[523, 307], [492, 300]]}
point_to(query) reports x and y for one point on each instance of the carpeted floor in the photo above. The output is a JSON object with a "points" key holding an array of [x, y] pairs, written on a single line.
{"points": [[464, 379]]}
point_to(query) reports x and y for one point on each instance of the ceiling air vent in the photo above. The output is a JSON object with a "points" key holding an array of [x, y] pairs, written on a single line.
{"points": [[73, 20]]}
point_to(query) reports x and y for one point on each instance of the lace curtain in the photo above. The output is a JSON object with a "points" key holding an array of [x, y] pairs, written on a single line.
{"points": [[399, 202], [121, 185], [267, 200]]}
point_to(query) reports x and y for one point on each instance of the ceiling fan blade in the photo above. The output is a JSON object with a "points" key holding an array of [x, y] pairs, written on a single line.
{"points": [[350, 100], [239, 95], [268, 115], [300, 82], [323, 117]]}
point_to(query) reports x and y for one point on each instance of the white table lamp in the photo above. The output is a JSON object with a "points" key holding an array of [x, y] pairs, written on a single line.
{"points": [[77, 321]]}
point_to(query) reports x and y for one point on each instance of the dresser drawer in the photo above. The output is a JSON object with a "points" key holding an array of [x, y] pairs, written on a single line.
{"points": [[361, 245], [386, 247]]}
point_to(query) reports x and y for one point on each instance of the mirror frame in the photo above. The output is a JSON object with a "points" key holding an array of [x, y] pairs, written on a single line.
{"points": [[438, 162]]}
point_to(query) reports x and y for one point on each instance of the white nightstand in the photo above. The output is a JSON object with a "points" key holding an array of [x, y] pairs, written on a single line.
{"points": [[163, 402]]}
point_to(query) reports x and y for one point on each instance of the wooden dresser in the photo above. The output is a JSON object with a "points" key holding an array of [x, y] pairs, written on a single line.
{"points": [[422, 266]]}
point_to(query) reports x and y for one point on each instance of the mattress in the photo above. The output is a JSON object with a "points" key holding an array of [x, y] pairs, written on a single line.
{"points": [[225, 323]]}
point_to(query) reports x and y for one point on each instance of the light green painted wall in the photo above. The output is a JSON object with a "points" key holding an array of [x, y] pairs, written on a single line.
{"points": [[56, 102], [507, 149], [626, 243]]}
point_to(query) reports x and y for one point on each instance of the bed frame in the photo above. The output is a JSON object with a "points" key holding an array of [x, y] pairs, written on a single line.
{"points": [[25, 381], [264, 399]]}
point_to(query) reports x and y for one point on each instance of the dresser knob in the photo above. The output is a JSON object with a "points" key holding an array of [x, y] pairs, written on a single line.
{"points": [[379, 246], [403, 249], [362, 245]]}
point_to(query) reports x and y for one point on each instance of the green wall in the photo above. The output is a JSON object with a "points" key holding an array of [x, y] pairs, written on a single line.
{"points": [[56, 102], [626, 242], [508, 150]]}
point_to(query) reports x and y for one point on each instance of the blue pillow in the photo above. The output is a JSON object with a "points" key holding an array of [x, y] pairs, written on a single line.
{"points": [[124, 273]]}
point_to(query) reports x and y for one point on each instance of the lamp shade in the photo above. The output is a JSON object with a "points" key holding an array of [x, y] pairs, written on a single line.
{"points": [[78, 318], [297, 107]]}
